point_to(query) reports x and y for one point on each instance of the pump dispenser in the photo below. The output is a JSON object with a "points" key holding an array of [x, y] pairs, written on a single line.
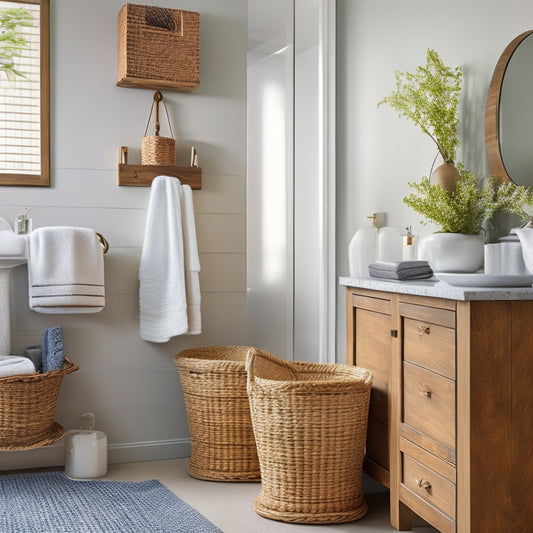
{"points": [[23, 224]]}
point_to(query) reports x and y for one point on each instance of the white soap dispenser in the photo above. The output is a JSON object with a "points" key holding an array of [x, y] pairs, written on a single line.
{"points": [[362, 251]]}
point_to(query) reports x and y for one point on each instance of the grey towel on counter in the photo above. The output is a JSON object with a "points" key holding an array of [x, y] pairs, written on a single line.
{"points": [[400, 270]]}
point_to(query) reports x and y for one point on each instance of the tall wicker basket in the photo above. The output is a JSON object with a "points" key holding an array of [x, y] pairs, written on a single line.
{"points": [[27, 409], [214, 387], [310, 424]]}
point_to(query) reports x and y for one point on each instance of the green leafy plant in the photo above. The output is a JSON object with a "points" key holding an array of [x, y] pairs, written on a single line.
{"points": [[464, 209], [12, 43], [430, 98]]}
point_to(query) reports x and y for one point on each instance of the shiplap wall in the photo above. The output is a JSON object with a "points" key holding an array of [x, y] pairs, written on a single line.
{"points": [[131, 385]]}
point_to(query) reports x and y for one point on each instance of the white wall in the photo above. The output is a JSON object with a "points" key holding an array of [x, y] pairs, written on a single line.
{"points": [[378, 153], [132, 386]]}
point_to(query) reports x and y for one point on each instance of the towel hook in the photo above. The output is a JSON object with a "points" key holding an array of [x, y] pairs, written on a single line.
{"points": [[103, 242]]}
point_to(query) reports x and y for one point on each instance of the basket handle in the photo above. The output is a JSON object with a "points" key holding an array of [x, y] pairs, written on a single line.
{"points": [[158, 97], [160, 17], [249, 367]]}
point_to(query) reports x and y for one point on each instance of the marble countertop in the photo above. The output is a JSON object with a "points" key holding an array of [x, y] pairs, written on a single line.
{"points": [[438, 289]]}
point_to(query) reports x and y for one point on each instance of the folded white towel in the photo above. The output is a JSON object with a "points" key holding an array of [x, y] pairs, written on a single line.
{"points": [[66, 270], [15, 365], [162, 293], [192, 262]]}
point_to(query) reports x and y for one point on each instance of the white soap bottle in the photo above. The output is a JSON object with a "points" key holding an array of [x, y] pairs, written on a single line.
{"points": [[362, 251]]}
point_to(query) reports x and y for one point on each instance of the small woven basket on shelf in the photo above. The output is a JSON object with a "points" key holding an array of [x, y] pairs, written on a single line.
{"points": [[310, 422], [155, 149], [27, 409], [213, 380]]}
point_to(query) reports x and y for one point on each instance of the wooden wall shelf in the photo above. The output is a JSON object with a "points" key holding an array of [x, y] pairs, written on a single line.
{"points": [[143, 175]]}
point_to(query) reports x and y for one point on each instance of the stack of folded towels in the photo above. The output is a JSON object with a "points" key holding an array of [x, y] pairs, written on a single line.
{"points": [[400, 270], [44, 358]]}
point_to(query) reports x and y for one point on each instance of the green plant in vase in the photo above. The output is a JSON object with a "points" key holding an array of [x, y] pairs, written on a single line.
{"points": [[429, 97], [464, 209], [459, 214]]}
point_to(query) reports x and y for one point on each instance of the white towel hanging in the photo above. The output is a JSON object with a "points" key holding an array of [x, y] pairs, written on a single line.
{"points": [[162, 293], [192, 262]]}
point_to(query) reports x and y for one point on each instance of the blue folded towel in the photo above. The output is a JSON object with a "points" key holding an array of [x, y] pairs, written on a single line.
{"points": [[34, 354], [52, 349]]}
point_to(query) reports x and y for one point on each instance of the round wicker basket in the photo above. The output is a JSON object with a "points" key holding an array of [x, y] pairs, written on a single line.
{"points": [[27, 409]]}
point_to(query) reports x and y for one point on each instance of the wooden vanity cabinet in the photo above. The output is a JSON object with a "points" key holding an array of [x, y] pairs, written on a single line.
{"points": [[458, 386]]}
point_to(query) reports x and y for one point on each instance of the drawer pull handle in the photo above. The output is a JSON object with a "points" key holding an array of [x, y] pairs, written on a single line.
{"points": [[423, 483], [423, 329], [426, 393]]}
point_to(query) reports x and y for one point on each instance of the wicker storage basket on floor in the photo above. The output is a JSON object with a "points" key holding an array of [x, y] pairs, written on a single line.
{"points": [[27, 409], [310, 424], [214, 386]]}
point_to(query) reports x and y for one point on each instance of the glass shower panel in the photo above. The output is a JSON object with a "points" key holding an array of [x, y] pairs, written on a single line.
{"points": [[270, 176]]}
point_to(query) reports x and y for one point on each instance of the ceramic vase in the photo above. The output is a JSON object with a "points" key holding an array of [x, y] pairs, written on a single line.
{"points": [[371, 244], [526, 240], [452, 252], [445, 175]]}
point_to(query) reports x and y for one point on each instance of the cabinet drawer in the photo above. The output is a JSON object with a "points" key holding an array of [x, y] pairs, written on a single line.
{"points": [[429, 403], [429, 345], [428, 485]]}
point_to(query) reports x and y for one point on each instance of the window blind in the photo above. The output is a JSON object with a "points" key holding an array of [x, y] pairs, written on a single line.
{"points": [[20, 103]]}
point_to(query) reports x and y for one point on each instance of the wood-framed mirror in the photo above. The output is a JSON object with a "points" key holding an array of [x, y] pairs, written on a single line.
{"points": [[509, 113], [25, 92]]}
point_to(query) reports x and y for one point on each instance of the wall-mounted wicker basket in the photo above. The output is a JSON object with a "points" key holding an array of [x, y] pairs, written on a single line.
{"points": [[158, 48]]}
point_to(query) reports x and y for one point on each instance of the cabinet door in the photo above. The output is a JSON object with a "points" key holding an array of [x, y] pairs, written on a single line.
{"points": [[372, 345]]}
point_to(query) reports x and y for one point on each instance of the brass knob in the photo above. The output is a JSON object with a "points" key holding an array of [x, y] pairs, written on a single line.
{"points": [[423, 329], [426, 393], [423, 483]]}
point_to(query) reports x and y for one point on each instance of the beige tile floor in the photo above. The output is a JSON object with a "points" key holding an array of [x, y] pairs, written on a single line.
{"points": [[229, 505]]}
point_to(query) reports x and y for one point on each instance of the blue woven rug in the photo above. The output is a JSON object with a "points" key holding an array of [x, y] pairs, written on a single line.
{"points": [[52, 503]]}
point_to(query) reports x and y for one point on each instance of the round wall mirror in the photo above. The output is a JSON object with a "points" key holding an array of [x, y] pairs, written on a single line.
{"points": [[509, 113]]}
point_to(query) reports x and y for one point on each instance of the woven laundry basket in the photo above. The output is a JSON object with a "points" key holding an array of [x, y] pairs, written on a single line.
{"points": [[310, 422], [27, 409], [213, 380]]}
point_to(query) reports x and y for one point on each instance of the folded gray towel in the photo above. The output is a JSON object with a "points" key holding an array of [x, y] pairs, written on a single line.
{"points": [[400, 270], [34, 353]]}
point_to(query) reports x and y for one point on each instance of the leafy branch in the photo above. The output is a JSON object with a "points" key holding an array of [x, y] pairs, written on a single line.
{"points": [[430, 97], [12, 43]]}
